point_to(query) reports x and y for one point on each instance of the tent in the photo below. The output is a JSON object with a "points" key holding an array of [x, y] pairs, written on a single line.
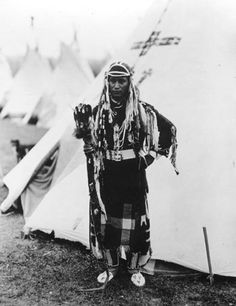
{"points": [[67, 82], [15, 62], [82, 62], [5, 79], [28, 85], [184, 58]]}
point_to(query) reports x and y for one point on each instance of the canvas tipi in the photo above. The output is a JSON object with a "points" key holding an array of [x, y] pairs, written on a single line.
{"points": [[82, 62], [28, 85], [183, 54], [5, 79], [67, 83]]}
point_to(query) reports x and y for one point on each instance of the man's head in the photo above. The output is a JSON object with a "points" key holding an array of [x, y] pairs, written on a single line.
{"points": [[119, 80]]}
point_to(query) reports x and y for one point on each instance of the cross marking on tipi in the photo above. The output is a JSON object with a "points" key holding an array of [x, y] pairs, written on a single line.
{"points": [[155, 40], [145, 74]]}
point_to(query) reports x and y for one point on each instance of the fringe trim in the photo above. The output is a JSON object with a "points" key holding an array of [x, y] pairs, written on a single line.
{"points": [[148, 122], [174, 150]]}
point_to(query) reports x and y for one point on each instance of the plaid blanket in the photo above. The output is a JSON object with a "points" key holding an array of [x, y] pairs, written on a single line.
{"points": [[124, 196], [125, 201]]}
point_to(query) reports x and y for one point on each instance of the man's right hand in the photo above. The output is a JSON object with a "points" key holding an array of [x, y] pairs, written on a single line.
{"points": [[82, 117], [88, 144]]}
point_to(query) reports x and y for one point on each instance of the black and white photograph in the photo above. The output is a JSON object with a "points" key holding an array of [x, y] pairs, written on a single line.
{"points": [[117, 158]]}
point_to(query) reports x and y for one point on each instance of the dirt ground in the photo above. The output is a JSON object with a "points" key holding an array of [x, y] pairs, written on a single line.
{"points": [[44, 271]]}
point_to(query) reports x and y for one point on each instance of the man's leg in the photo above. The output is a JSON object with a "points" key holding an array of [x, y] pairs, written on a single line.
{"points": [[133, 268], [112, 260]]}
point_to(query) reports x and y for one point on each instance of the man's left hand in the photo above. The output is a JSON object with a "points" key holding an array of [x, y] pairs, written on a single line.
{"points": [[146, 161]]}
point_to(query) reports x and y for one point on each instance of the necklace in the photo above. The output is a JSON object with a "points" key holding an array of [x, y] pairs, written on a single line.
{"points": [[115, 107], [116, 104]]}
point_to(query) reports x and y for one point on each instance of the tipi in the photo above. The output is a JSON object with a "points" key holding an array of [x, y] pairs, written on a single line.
{"points": [[183, 54], [82, 62], [28, 85], [5, 79], [67, 83]]}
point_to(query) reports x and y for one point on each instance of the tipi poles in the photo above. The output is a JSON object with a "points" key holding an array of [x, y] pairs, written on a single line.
{"points": [[211, 277]]}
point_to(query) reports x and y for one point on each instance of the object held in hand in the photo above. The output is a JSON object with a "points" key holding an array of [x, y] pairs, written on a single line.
{"points": [[82, 117]]}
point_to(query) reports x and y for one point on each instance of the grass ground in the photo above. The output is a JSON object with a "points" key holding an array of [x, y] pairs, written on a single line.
{"points": [[44, 271]]}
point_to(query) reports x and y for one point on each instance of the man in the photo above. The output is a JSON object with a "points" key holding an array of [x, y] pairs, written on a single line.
{"points": [[123, 137]]}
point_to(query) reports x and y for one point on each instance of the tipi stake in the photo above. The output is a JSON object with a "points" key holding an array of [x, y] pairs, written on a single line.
{"points": [[211, 276]]}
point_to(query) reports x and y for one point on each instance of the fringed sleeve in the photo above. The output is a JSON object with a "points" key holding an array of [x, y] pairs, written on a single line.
{"points": [[167, 139]]}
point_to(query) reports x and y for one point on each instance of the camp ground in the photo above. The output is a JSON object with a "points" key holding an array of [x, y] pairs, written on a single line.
{"points": [[40, 98], [189, 76]]}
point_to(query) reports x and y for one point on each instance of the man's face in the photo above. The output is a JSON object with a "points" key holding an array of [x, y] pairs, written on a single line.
{"points": [[118, 87]]}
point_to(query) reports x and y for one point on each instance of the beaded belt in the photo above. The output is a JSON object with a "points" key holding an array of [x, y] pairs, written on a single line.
{"points": [[120, 155]]}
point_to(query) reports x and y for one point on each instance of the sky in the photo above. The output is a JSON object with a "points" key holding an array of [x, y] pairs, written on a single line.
{"points": [[101, 25]]}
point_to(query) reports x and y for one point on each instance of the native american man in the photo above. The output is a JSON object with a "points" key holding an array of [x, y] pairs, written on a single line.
{"points": [[125, 136]]}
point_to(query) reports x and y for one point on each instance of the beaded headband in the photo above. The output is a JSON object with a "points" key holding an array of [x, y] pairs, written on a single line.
{"points": [[119, 69]]}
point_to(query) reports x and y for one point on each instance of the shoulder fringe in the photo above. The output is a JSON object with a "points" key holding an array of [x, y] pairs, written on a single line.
{"points": [[149, 123]]}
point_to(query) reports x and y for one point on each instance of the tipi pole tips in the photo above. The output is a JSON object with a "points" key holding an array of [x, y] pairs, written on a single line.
{"points": [[211, 275], [32, 21]]}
